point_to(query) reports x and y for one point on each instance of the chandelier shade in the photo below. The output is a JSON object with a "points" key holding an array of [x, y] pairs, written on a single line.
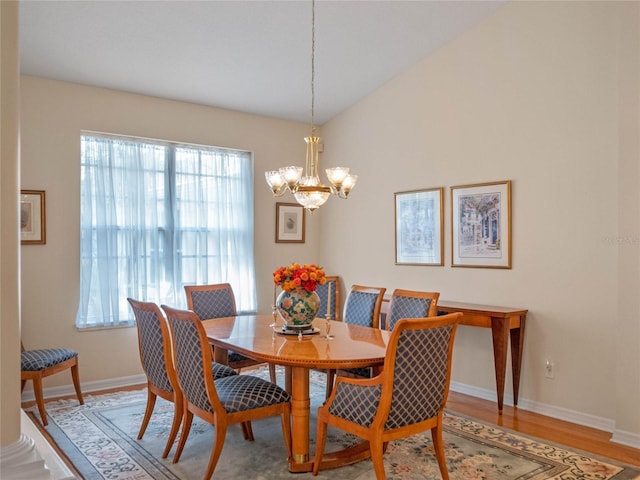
{"points": [[308, 189]]}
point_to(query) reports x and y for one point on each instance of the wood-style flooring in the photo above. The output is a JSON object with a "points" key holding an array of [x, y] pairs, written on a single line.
{"points": [[546, 428]]}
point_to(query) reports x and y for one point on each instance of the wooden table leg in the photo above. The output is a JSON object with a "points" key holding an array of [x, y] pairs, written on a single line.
{"points": [[221, 355], [300, 411], [517, 344], [500, 334]]}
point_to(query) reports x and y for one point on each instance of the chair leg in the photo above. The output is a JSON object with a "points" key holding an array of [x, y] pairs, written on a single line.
{"points": [[22, 384], [247, 431], [331, 375], [216, 449], [321, 437], [175, 425], [151, 403], [75, 376], [376, 446], [438, 446], [272, 373], [186, 428], [37, 390]]}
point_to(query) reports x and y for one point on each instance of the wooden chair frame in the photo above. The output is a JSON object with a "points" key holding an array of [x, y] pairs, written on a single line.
{"points": [[154, 391], [219, 417], [37, 375], [376, 434], [245, 361], [375, 323], [433, 307]]}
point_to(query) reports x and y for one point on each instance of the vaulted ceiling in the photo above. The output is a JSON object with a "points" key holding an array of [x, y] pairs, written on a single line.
{"points": [[249, 56]]}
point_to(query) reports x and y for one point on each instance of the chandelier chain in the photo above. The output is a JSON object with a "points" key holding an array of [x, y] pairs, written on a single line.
{"points": [[313, 62]]}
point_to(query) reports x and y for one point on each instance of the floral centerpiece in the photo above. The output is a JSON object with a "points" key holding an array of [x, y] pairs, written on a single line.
{"points": [[299, 276], [298, 303]]}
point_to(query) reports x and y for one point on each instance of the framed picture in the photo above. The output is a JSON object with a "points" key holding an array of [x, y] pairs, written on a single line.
{"points": [[290, 223], [419, 227], [32, 217], [481, 225]]}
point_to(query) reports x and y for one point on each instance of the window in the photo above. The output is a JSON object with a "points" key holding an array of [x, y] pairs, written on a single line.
{"points": [[155, 216]]}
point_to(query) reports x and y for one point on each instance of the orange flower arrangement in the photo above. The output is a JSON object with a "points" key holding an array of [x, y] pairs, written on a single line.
{"points": [[299, 276]]}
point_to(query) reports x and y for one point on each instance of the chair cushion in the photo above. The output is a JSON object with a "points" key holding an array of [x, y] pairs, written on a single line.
{"points": [[361, 372], [36, 360], [246, 392], [221, 371]]}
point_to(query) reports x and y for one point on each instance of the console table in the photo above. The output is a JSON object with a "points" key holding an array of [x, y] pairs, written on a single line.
{"points": [[505, 324]]}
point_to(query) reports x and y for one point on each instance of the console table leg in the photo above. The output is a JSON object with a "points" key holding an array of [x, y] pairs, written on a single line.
{"points": [[500, 334], [517, 344]]}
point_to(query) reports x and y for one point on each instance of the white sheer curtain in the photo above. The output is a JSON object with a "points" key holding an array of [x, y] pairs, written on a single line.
{"points": [[156, 216]]}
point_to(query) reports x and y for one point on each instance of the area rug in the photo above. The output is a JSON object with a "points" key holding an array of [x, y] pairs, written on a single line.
{"points": [[99, 438]]}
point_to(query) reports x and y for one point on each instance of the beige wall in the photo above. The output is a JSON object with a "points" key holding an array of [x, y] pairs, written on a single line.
{"points": [[532, 95], [53, 114]]}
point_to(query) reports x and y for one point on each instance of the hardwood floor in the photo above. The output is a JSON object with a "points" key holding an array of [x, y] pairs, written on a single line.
{"points": [[546, 428]]}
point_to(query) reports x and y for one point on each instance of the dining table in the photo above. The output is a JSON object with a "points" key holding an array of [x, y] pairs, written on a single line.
{"points": [[262, 337]]}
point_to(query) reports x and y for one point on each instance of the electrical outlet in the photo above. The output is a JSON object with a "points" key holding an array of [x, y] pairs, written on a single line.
{"points": [[549, 369]]}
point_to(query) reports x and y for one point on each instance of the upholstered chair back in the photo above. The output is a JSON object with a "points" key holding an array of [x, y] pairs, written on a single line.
{"points": [[411, 304], [153, 338], [211, 301], [362, 306]]}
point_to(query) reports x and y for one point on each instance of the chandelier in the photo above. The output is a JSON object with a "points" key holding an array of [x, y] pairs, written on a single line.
{"points": [[307, 189]]}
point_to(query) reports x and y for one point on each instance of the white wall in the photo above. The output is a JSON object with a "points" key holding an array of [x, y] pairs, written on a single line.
{"points": [[531, 95], [53, 114]]}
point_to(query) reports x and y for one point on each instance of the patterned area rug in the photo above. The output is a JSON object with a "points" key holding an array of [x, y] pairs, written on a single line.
{"points": [[100, 439]]}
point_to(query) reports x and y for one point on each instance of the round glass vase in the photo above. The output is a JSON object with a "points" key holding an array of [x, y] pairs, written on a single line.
{"points": [[298, 308]]}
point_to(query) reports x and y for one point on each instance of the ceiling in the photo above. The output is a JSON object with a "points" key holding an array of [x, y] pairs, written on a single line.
{"points": [[249, 56]]}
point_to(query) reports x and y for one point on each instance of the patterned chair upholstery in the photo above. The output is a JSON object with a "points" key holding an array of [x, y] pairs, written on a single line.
{"points": [[323, 291], [406, 398], [362, 307], [217, 301], [38, 364], [154, 343], [221, 402], [411, 304]]}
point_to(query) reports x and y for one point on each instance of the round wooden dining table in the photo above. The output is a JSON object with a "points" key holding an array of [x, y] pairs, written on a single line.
{"points": [[257, 337]]}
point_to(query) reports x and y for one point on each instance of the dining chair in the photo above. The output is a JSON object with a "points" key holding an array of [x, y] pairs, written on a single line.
{"points": [[323, 293], [361, 307], [406, 398], [38, 364], [156, 356], [221, 402], [410, 304], [217, 301]]}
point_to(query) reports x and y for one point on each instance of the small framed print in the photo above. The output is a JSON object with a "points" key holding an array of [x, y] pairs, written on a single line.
{"points": [[419, 227], [32, 218], [290, 223], [481, 225]]}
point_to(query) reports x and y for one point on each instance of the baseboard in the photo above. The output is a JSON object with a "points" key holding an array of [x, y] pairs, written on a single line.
{"points": [[599, 423], [629, 439], [87, 387]]}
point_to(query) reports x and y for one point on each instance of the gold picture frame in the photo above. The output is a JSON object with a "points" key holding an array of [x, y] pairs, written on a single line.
{"points": [[419, 226], [481, 225], [32, 217], [290, 223]]}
